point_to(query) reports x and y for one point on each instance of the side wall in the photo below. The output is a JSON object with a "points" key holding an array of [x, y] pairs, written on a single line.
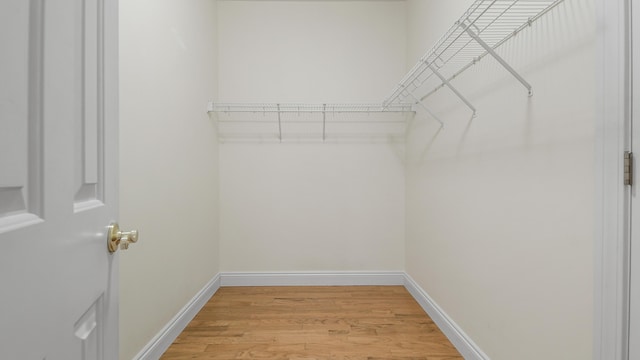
{"points": [[169, 155], [310, 206], [500, 208]]}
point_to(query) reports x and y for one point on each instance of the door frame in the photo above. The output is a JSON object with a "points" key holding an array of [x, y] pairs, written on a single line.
{"points": [[612, 223]]}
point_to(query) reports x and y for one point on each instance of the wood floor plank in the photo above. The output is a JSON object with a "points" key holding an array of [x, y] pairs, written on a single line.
{"points": [[312, 323]]}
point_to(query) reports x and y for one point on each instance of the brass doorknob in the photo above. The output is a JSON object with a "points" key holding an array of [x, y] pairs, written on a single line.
{"points": [[116, 237]]}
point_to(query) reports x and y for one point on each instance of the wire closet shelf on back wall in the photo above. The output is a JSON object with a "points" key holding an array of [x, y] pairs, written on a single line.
{"points": [[482, 29]]}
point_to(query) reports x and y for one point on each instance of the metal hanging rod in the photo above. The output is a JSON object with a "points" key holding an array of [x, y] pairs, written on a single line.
{"points": [[485, 26], [309, 108]]}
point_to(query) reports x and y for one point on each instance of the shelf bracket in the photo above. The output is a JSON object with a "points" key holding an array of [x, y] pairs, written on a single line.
{"points": [[419, 102], [279, 123], [324, 121], [448, 84], [492, 52]]}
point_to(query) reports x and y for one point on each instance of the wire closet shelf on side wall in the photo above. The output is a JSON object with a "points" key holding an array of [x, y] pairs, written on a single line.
{"points": [[483, 28]]}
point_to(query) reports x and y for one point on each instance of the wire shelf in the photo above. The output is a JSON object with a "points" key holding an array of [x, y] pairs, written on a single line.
{"points": [[485, 26], [309, 108], [310, 122]]}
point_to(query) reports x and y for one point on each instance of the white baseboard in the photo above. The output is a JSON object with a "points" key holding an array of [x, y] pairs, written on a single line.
{"points": [[161, 342], [453, 332], [311, 278]]}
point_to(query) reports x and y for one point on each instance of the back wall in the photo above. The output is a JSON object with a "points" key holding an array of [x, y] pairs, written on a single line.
{"points": [[308, 205]]}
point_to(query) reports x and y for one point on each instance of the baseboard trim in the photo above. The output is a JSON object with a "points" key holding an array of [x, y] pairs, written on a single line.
{"points": [[311, 278], [161, 342], [459, 339]]}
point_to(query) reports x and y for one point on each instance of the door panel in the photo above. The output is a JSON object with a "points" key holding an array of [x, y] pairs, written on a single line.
{"points": [[88, 329], [20, 111], [58, 172], [89, 144]]}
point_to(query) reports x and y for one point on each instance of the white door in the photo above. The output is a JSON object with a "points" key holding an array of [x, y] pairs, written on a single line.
{"points": [[58, 189]]}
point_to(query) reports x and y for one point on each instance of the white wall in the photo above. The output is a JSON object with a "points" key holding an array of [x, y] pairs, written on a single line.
{"points": [[311, 206], [310, 51], [500, 209], [169, 176]]}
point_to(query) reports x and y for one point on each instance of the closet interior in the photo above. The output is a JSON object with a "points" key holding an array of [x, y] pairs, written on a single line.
{"points": [[333, 147]]}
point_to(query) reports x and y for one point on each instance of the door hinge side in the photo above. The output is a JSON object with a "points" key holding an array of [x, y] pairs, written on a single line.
{"points": [[628, 168]]}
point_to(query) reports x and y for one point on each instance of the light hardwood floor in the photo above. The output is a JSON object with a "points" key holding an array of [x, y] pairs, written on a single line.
{"points": [[346, 322]]}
